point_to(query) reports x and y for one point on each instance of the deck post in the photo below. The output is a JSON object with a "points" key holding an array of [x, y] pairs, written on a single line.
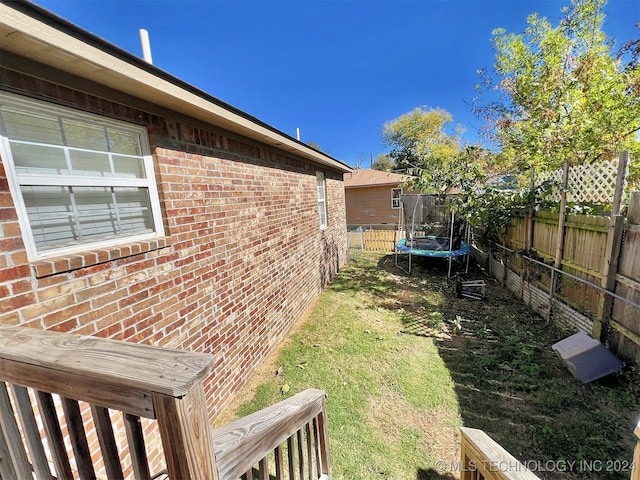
{"points": [[184, 429], [137, 380], [325, 459]]}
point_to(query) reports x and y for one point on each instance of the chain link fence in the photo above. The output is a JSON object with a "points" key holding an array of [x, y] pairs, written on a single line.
{"points": [[571, 302]]}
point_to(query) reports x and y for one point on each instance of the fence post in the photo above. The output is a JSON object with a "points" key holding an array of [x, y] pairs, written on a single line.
{"points": [[612, 251], [562, 217], [528, 218]]}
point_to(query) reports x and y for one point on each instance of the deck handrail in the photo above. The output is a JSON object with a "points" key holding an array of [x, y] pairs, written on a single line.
{"points": [[138, 380], [247, 441], [482, 455], [120, 375], [48, 374]]}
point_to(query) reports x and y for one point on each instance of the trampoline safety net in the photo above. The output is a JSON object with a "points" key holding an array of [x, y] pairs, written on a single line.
{"points": [[428, 223]]}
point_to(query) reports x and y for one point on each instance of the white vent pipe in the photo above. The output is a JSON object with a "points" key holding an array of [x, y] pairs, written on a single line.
{"points": [[146, 46]]}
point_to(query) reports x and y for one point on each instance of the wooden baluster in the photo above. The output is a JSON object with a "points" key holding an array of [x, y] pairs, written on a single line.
{"points": [[323, 445], [263, 469], [279, 461], [107, 441], [78, 437], [291, 458], [137, 451], [184, 429], [635, 466], [309, 450], [31, 432], [57, 448], [6, 466], [316, 441], [300, 454], [21, 465]]}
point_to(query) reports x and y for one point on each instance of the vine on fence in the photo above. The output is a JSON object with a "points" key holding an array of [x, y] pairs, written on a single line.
{"points": [[490, 210]]}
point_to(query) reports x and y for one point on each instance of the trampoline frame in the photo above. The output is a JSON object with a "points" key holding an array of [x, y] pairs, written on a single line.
{"points": [[401, 247]]}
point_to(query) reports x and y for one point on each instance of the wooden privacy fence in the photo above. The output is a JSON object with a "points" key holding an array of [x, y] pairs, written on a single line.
{"points": [[597, 269], [78, 388], [374, 240]]}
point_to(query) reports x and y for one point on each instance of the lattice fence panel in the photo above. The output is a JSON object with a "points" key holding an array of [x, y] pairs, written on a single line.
{"points": [[586, 183]]}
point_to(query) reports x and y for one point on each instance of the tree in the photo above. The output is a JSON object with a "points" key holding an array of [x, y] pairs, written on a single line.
{"points": [[314, 145], [561, 92], [459, 173], [383, 163], [418, 139]]}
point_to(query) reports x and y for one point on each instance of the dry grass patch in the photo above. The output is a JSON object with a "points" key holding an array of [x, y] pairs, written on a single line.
{"points": [[391, 415]]}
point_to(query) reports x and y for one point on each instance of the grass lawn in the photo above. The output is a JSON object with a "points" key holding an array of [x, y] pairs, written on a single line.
{"points": [[405, 363]]}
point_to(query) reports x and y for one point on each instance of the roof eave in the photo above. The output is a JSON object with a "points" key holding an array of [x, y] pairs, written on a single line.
{"points": [[32, 32]]}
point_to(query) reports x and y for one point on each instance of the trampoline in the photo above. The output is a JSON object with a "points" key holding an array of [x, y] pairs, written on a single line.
{"points": [[463, 250], [432, 229]]}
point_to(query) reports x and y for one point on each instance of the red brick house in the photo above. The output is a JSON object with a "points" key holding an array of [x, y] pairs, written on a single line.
{"points": [[373, 198], [137, 207]]}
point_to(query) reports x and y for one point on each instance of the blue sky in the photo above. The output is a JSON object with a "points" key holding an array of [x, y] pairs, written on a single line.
{"points": [[335, 69]]}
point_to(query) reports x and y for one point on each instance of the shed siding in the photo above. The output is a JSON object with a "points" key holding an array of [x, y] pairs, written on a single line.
{"points": [[370, 206]]}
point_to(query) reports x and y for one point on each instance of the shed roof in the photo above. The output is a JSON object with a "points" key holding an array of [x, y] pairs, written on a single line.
{"points": [[366, 177], [34, 33]]}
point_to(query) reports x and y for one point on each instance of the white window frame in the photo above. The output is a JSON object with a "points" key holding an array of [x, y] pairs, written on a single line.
{"points": [[322, 199], [16, 180], [396, 202]]}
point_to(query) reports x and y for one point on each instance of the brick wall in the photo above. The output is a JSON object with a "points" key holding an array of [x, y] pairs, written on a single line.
{"points": [[242, 259]]}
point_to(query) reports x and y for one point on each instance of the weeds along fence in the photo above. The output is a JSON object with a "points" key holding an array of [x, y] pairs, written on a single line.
{"points": [[595, 287]]}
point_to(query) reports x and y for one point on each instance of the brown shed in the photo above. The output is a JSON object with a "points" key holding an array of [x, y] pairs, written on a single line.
{"points": [[373, 199]]}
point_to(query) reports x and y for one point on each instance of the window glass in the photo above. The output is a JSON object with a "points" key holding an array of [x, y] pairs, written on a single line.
{"points": [[322, 201], [396, 202], [27, 126], [123, 142], [131, 167], [50, 215], [76, 178], [32, 159], [83, 135], [90, 164]]}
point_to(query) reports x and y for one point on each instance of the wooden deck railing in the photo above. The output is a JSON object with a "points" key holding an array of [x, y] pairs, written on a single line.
{"points": [[484, 459], [295, 429], [59, 392]]}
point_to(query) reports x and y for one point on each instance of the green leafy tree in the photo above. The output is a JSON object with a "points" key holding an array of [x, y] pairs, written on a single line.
{"points": [[422, 147], [314, 145], [383, 163], [559, 93], [459, 173], [419, 139]]}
